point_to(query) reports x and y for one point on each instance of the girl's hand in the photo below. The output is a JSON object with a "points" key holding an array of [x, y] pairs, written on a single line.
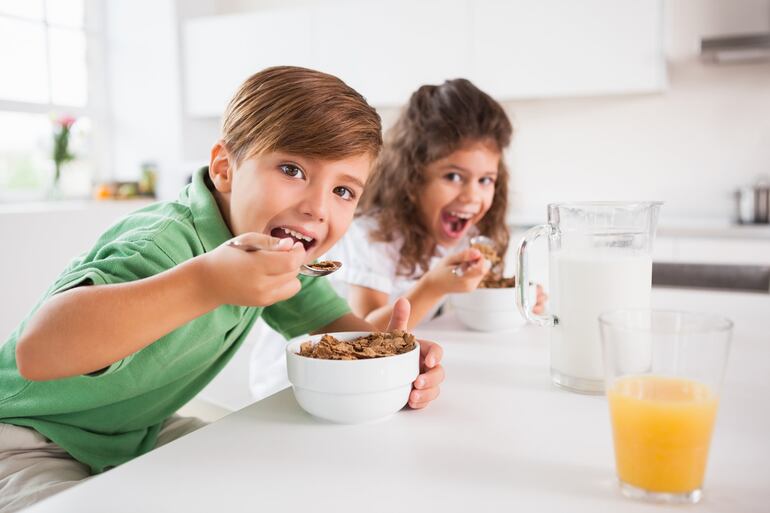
{"points": [[427, 385], [445, 279], [257, 278], [542, 297]]}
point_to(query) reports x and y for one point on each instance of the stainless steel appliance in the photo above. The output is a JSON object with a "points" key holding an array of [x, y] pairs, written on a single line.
{"points": [[753, 203]]}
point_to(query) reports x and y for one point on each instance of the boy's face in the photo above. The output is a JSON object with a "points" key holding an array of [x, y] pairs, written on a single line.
{"points": [[283, 195], [458, 191]]}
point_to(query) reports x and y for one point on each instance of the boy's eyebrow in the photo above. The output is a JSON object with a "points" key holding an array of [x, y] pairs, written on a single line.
{"points": [[353, 179]]}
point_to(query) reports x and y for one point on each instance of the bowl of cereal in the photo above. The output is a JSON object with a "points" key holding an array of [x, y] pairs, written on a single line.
{"points": [[354, 377], [491, 307]]}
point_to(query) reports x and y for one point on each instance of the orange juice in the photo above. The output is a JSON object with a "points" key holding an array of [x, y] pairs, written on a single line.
{"points": [[662, 428]]}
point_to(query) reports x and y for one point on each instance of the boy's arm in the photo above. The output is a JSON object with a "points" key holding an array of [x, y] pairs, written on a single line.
{"points": [[426, 387], [86, 329]]}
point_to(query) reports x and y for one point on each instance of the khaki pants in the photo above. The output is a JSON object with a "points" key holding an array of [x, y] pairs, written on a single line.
{"points": [[33, 468]]}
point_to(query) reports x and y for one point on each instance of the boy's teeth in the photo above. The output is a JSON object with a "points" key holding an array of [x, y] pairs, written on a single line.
{"points": [[297, 235]]}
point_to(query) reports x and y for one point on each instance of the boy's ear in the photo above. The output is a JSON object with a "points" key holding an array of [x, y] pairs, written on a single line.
{"points": [[221, 167]]}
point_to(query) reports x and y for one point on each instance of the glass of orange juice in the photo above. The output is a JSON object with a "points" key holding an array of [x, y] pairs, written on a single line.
{"points": [[663, 372]]}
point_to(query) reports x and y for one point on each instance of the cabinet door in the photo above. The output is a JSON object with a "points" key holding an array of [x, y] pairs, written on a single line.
{"points": [[522, 48], [222, 51], [385, 50]]}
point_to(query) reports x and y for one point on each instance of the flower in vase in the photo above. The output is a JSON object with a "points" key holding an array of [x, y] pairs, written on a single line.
{"points": [[62, 128]]}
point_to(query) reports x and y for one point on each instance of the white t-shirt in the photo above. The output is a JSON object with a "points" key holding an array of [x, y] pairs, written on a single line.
{"points": [[373, 264], [365, 263]]}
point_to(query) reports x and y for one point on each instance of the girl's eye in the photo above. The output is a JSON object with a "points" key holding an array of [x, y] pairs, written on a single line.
{"points": [[453, 177], [487, 180], [344, 193], [292, 171]]}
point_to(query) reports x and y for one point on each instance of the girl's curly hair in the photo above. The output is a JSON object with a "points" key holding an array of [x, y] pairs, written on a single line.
{"points": [[437, 121]]}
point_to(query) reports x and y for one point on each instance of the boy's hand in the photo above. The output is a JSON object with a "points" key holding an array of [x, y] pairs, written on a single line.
{"points": [[426, 387], [256, 278], [446, 278]]}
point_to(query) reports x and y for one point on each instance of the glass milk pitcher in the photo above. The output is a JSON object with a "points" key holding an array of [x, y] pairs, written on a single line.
{"points": [[600, 260]]}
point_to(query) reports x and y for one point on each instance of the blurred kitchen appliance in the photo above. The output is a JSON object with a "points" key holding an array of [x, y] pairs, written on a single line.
{"points": [[753, 203]]}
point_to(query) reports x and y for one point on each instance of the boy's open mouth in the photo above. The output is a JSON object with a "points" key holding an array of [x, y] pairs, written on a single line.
{"points": [[455, 222], [282, 233]]}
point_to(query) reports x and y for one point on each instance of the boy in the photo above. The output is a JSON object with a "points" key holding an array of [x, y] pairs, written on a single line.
{"points": [[136, 327]]}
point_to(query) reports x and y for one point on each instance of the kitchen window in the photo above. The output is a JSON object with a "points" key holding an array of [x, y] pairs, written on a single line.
{"points": [[51, 56]]}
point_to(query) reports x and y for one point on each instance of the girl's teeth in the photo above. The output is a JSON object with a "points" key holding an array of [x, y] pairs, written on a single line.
{"points": [[297, 235], [462, 215]]}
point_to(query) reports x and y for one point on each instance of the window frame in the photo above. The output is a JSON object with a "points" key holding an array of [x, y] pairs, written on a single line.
{"points": [[96, 107]]}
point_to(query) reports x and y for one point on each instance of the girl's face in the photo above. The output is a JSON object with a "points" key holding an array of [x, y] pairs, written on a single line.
{"points": [[458, 191], [309, 200]]}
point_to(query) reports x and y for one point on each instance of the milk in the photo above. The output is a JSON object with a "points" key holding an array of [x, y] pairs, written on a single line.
{"points": [[584, 285]]}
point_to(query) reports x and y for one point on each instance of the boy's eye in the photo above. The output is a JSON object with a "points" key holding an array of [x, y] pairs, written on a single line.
{"points": [[453, 177], [344, 193], [292, 171], [487, 180]]}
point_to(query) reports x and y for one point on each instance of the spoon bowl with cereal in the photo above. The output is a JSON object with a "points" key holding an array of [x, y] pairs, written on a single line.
{"points": [[315, 270], [488, 250]]}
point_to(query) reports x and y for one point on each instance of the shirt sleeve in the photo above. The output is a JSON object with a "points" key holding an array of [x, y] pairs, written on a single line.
{"points": [[115, 262], [314, 306], [365, 263]]}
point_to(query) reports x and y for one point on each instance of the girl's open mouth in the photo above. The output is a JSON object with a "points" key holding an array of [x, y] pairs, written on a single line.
{"points": [[454, 223], [287, 233]]}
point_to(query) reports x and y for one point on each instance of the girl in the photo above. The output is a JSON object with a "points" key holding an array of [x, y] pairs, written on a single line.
{"points": [[439, 180]]}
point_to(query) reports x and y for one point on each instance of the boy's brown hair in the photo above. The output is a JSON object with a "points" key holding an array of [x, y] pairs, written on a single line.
{"points": [[437, 121], [301, 111]]}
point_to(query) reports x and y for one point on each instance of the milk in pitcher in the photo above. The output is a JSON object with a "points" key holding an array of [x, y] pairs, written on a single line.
{"points": [[584, 285]]}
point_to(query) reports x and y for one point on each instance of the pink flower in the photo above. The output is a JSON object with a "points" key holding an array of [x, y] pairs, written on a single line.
{"points": [[66, 121]]}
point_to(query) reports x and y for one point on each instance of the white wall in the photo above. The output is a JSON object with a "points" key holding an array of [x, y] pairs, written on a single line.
{"points": [[42, 240], [691, 146], [710, 130], [145, 90]]}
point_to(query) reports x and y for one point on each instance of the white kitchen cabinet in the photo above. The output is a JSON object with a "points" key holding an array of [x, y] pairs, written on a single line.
{"points": [[526, 49], [385, 50], [220, 52]]}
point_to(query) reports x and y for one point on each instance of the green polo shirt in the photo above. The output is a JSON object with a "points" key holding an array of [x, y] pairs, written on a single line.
{"points": [[106, 419]]}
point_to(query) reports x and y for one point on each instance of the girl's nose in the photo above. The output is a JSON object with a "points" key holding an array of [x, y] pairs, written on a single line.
{"points": [[471, 191]]}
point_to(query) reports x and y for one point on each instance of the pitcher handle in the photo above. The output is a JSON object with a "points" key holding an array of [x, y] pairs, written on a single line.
{"points": [[522, 276]]}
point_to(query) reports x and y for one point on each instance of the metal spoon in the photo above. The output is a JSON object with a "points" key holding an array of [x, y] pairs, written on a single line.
{"points": [[483, 239], [305, 270]]}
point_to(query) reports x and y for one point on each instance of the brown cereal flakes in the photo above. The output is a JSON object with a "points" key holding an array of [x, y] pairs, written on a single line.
{"points": [[375, 345], [493, 281], [487, 252], [324, 265], [494, 278]]}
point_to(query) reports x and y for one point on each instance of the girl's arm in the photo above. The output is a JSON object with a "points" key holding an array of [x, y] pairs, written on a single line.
{"points": [[373, 305], [88, 328], [426, 293]]}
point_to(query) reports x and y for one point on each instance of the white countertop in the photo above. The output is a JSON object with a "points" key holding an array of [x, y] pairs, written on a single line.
{"points": [[121, 206], [672, 226], [500, 438]]}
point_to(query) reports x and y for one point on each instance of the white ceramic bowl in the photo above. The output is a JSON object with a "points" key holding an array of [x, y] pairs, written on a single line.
{"points": [[351, 391], [488, 309]]}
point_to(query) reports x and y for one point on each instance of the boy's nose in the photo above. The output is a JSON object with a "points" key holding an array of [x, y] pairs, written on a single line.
{"points": [[314, 205]]}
